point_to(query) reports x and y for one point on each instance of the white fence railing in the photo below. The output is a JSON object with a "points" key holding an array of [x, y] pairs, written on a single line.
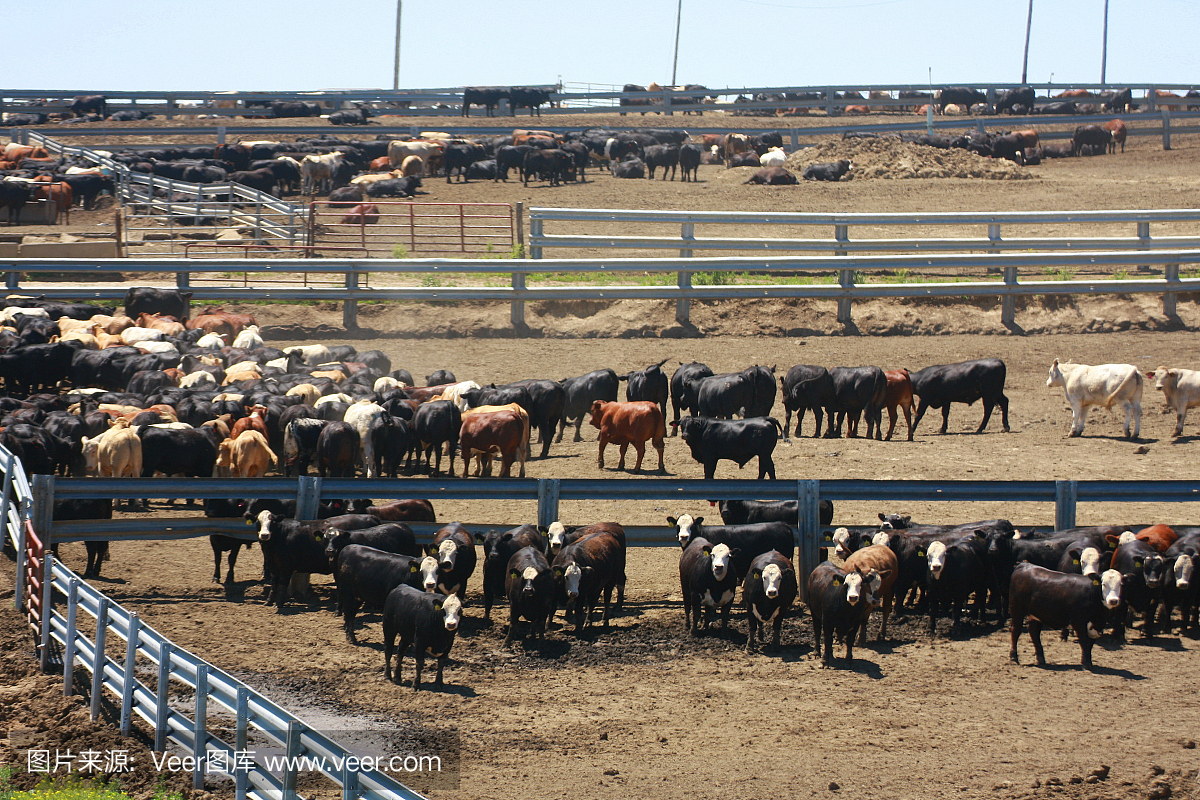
{"points": [[212, 689]]}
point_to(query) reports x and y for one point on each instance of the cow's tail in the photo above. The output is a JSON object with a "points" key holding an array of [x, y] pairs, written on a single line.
{"points": [[775, 422], [1135, 376]]}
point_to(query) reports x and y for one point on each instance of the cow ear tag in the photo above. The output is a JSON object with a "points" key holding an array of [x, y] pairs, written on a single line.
{"points": [[437, 606], [920, 552], [1075, 561], [1095, 581], [837, 581], [1137, 562], [757, 574], [412, 567], [249, 522]]}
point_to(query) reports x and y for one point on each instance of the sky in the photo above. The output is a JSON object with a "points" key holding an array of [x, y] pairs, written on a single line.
{"points": [[307, 45]]}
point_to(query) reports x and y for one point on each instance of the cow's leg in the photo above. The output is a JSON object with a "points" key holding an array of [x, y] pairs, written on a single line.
{"points": [[1180, 416], [787, 422], [892, 416], [909, 422], [817, 415], [1078, 419], [946, 417], [766, 466], [660, 446], [1003, 401], [217, 562], [988, 405], [1018, 624], [710, 469], [1137, 418], [624, 448], [603, 444], [922, 407], [640, 447], [1035, 633]]}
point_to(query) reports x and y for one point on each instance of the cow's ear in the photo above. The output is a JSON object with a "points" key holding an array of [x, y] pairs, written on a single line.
{"points": [[558, 572], [437, 606], [478, 538], [672, 521], [757, 574], [837, 581], [882, 518], [707, 551], [884, 573], [589, 570], [698, 520], [920, 554], [543, 529], [1137, 562], [1095, 581], [413, 567], [249, 522], [431, 551]]}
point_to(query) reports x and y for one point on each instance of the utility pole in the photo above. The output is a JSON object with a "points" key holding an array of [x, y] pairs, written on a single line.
{"points": [[675, 61], [1104, 46], [396, 63], [1025, 61]]}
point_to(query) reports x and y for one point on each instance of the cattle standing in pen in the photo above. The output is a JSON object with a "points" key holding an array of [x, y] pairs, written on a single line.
{"points": [[768, 593]]}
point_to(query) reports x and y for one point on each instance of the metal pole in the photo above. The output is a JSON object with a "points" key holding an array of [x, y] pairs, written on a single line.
{"points": [[1028, 26], [396, 63], [675, 60], [99, 656], [1104, 44], [69, 654]]}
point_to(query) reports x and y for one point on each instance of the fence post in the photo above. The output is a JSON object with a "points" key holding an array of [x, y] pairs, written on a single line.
{"points": [[516, 309], [69, 649], [841, 233], [241, 776], [1171, 274], [1166, 128], [292, 753], [308, 497], [683, 306], [128, 678], [220, 134], [200, 727], [19, 591], [1008, 307], [519, 227], [808, 495], [548, 489], [535, 236], [101, 658], [161, 708], [1066, 496], [350, 789], [350, 307], [43, 514]]}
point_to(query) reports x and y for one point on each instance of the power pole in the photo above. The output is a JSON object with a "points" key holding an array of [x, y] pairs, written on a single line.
{"points": [[675, 61], [396, 63], [1104, 46], [1025, 61]]}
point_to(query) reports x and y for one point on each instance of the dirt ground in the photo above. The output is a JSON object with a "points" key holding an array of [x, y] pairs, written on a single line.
{"points": [[644, 709]]}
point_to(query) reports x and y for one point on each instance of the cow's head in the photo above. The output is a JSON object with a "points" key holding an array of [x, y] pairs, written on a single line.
{"points": [[556, 536], [690, 427], [841, 541], [451, 608], [1154, 569], [446, 553], [91, 455], [1055, 378], [1089, 561], [686, 528], [1182, 570], [597, 412], [853, 583], [1164, 377], [894, 521], [721, 557], [268, 524], [334, 541], [1110, 588], [936, 557], [571, 578], [882, 538], [772, 579], [428, 568], [527, 577], [873, 584]]}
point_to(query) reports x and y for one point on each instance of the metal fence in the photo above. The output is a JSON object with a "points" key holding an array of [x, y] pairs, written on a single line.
{"points": [[392, 227]]}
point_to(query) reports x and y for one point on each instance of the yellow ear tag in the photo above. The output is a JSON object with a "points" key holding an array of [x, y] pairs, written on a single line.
{"points": [[1075, 561], [837, 581]]}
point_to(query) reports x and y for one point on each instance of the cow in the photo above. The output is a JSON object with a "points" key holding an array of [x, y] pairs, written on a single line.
{"points": [[961, 96], [772, 176], [773, 157], [632, 167], [827, 171], [649, 384], [955, 572], [429, 152], [581, 392], [768, 592], [736, 144], [739, 512], [559, 536], [749, 393], [661, 155], [390, 537], [584, 570], [629, 423], [529, 585], [1119, 131], [486, 97], [527, 97], [685, 383], [85, 104], [454, 550], [14, 196], [498, 548], [553, 165], [246, 456], [856, 391], [1091, 137], [547, 399], [428, 622], [317, 173], [350, 116], [708, 582], [964, 382], [116, 453], [711, 440], [461, 155], [1120, 101], [1023, 96], [299, 108], [1056, 600], [170, 302], [436, 423], [511, 157], [840, 603], [394, 187], [635, 101], [366, 576], [413, 510], [1142, 569], [1180, 588], [806, 387], [503, 432], [689, 161], [337, 450], [1104, 385], [745, 541], [1181, 391], [899, 395], [881, 559]]}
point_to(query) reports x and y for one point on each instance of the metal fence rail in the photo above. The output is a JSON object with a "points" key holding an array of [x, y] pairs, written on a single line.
{"points": [[480, 228]]}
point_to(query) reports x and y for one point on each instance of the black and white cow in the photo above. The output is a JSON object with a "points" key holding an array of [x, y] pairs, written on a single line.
{"points": [[747, 541], [708, 581], [840, 603], [1052, 599], [529, 584], [768, 593], [428, 622], [454, 550]]}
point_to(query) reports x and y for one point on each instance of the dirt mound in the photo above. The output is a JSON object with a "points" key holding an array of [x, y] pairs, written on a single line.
{"points": [[891, 158]]}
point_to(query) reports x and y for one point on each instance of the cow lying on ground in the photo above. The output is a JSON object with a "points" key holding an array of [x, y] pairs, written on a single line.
{"points": [[832, 171]]}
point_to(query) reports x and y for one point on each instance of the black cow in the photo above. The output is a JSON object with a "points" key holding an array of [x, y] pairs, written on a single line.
{"points": [[350, 116], [553, 165], [586, 569], [959, 95], [527, 97], [739, 512], [289, 108], [774, 176], [177, 452], [1121, 102], [1066, 107], [711, 440], [547, 403], [454, 550], [840, 603], [390, 537], [1142, 571], [36, 366], [393, 187], [806, 387], [75, 509], [662, 155], [498, 548], [1023, 96], [511, 157], [1055, 600], [856, 390], [749, 393], [440, 377], [708, 581], [648, 384], [427, 622], [955, 572], [437, 423], [146, 300], [366, 576], [1180, 587], [684, 384], [1090, 136], [768, 593], [459, 156], [488, 98], [337, 448], [829, 171], [634, 101], [964, 382], [529, 585], [690, 156], [85, 104], [293, 546], [630, 168], [14, 196], [482, 170], [393, 439], [581, 392], [747, 541], [300, 439]]}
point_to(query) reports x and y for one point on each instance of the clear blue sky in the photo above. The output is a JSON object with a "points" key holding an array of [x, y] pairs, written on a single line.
{"points": [[308, 45]]}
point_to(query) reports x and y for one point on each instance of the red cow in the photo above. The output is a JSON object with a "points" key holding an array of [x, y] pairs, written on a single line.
{"points": [[362, 214], [212, 315], [404, 511], [381, 164], [899, 393], [62, 197], [1118, 130], [1160, 94], [501, 432], [256, 421], [1160, 537], [630, 423]]}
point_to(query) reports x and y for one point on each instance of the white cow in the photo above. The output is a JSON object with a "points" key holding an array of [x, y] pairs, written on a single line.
{"points": [[1104, 385], [135, 335], [774, 157], [212, 341], [363, 416], [314, 354], [316, 173], [248, 338], [426, 151], [1181, 390]]}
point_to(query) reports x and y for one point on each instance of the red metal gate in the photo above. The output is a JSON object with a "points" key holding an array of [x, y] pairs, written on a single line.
{"points": [[396, 229], [35, 569]]}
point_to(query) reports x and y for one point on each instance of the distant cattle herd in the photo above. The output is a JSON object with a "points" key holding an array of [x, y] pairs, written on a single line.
{"points": [[91, 392]]}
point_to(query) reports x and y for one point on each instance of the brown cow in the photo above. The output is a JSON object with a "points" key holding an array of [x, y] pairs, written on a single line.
{"points": [[381, 164], [1160, 536], [1027, 138], [161, 322], [256, 420], [423, 394], [211, 323], [502, 432], [878, 557], [404, 511], [1075, 94], [735, 145], [899, 393], [236, 322], [1118, 130], [629, 423], [60, 194], [362, 214], [1162, 94]]}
